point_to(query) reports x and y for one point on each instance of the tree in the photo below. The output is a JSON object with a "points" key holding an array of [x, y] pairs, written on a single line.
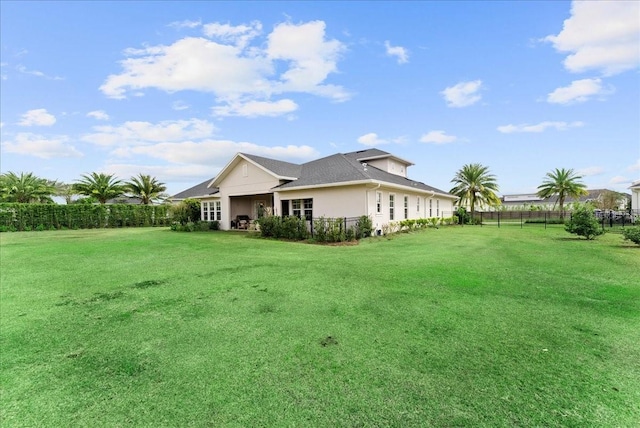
{"points": [[147, 188], [26, 188], [563, 183], [584, 223], [66, 191], [100, 186], [610, 200], [474, 184]]}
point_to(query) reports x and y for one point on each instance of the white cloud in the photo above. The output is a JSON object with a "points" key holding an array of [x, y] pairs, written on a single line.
{"points": [[540, 127], [619, 179], [29, 144], [98, 115], [578, 91], [590, 171], [371, 139], [22, 69], [37, 117], [256, 108], [185, 24], [215, 153], [399, 52], [294, 59], [600, 35], [145, 133], [437, 137], [180, 105], [463, 94], [239, 35], [167, 172]]}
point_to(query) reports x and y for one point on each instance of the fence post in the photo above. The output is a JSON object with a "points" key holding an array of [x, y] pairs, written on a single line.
{"points": [[498, 219], [520, 219], [480, 218], [545, 220]]}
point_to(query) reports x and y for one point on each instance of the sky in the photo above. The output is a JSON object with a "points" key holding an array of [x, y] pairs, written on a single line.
{"points": [[175, 89]]}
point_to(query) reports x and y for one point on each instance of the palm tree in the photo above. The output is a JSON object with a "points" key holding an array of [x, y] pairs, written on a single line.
{"points": [[25, 188], [562, 182], [147, 188], [474, 184], [101, 186]]}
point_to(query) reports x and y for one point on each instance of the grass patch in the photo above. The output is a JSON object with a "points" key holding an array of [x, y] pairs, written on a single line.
{"points": [[460, 326]]}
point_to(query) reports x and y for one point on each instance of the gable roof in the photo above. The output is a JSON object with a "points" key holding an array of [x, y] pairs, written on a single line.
{"points": [[197, 191], [279, 169]]}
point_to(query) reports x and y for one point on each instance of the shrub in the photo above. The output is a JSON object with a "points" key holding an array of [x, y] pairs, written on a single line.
{"points": [[632, 234], [186, 211], [583, 223], [363, 227], [463, 216], [214, 225]]}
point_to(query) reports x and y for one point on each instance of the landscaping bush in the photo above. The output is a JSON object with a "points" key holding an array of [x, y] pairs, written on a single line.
{"points": [[584, 223], [364, 227], [26, 217], [186, 211], [632, 234]]}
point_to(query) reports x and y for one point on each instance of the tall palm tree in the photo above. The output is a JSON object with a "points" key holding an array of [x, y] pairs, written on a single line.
{"points": [[147, 188], [563, 183], [101, 186], [475, 184], [25, 188]]}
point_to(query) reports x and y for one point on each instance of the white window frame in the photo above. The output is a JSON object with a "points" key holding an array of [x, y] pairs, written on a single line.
{"points": [[406, 206], [392, 206], [216, 212], [379, 203]]}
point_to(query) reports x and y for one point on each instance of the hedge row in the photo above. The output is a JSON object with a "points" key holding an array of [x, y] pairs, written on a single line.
{"points": [[24, 217]]}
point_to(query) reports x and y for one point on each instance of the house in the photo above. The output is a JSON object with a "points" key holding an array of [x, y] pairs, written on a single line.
{"points": [[198, 191], [635, 196], [367, 182]]}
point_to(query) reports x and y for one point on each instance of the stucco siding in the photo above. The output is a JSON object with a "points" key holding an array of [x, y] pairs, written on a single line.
{"points": [[347, 201]]}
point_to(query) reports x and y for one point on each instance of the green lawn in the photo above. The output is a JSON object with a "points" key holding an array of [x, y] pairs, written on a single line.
{"points": [[451, 327]]}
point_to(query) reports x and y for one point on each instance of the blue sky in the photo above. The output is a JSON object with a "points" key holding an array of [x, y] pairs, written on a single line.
{"points": [[175, 89]]}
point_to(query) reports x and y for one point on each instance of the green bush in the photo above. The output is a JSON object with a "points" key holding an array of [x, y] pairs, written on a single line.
{"points": [[270, 226], [632, 234], [25, 217], [364, 227], [584, 223]]}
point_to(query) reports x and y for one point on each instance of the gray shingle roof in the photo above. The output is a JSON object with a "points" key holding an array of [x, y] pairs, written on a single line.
{"points": [[280, 168], [345, 167], [196, 191]]}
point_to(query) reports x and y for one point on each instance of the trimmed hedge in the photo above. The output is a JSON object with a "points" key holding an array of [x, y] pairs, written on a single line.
{"points": [[25, 217]]}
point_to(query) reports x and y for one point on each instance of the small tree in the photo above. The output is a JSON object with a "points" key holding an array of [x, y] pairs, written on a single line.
{"points": [[584, 223], [100, 186], [187, 211]]}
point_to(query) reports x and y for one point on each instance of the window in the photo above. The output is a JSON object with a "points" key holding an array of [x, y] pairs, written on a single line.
{"points": [[406, 207], [297, 207], [391, 206], [430, 207], [308, 209], [437, 207], [303, 206], [205, 211], [245, 170], [418, 204], [216, 213], [378, 202]]}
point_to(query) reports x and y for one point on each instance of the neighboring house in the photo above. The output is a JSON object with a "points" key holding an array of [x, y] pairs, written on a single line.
{"points": [[129, 200], [635, 195], [367, 182], [527, 201]]}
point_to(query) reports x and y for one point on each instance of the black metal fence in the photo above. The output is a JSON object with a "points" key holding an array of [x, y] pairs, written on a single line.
{"points": [[607, 219]]}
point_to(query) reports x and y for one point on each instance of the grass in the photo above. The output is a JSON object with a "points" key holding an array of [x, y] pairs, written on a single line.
{"points": [[451, 327]]}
